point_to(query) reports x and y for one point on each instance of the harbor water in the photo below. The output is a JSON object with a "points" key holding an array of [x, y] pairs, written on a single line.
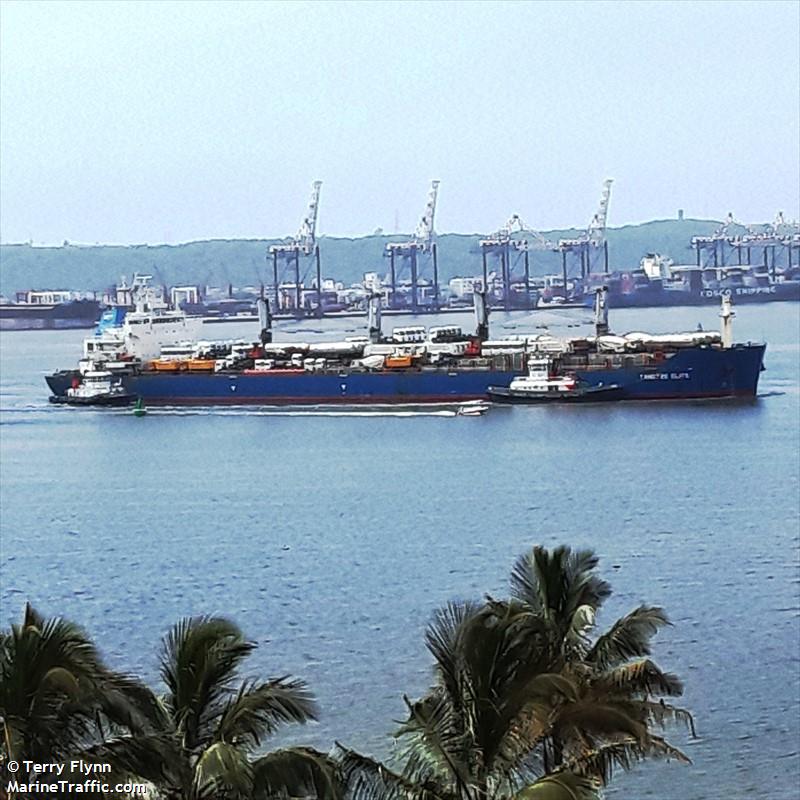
{"points": [[331, 537]]}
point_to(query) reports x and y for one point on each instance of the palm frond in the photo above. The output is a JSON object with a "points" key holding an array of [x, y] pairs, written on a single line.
{"points": [[155, 758], [367, 779], [602, 760], [32, 618], [199, 662], [297, 772], [660, 713], [220, 770], [437, 748], [556, 584], [51, 685], [597, 719], [443, 638], [639, 677], [629, 637], [258, 710]]}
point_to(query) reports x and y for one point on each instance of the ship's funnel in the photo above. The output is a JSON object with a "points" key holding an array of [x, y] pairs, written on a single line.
{"points": [[374, 318], [727, 314], [601, 311], [264, 320], [481, 314]]}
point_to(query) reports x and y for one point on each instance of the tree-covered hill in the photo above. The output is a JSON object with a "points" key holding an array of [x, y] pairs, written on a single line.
{"points": [[244, 262]]}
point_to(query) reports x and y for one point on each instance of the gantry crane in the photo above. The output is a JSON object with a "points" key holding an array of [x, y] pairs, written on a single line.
{"points": [[422, 242], [713, 246], [592, 243], [304, 243], [501, 244], [779, 236]]}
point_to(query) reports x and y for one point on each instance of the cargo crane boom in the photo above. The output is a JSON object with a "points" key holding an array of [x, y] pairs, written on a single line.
{"points": [[423, 241], [501, 243], [304, 243], [591, 242], [424, 233], [596, 232]]}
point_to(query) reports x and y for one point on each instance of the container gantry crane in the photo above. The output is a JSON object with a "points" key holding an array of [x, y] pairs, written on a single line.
{"points": [[304, 243], [423, 242], [778, 237], [589, 246], [501, 244]]}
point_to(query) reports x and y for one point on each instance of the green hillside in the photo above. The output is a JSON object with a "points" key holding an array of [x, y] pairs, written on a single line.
{"points": [[244, 262]]}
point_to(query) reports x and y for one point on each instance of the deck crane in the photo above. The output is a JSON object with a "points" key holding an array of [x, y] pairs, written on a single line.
{"points": [[422, 242], [304, 243], [592, 242], [501, 243]]}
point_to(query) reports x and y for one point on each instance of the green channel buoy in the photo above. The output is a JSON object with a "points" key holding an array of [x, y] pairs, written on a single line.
{"points": [[139, 410]]}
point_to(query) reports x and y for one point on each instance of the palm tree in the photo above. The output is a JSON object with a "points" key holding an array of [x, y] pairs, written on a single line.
{"points": [[524, 706], [562, 589], [57, 697], [204, 729]]}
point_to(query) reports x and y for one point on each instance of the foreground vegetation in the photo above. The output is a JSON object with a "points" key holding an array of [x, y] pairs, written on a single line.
{"points": [[527, 703]]}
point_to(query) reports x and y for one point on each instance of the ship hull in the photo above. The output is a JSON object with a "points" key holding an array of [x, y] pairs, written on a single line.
{"points": [[653, 298], [602, 394], [696, 372], [305, 388], [98, 400], [62, 316]]}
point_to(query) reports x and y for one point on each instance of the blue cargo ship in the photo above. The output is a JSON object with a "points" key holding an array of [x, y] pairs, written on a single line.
{"points": [[441, 365]]}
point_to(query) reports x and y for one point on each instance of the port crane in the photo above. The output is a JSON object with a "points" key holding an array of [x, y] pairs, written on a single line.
{"points": [[502, 243], [735, 236], [779, 236], [423, 242], [304, 243], [713, 247], [589, 246]]}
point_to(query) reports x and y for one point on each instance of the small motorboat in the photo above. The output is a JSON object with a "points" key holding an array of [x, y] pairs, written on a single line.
{"points": [[96, 388], [540, 385], [472, 409]]}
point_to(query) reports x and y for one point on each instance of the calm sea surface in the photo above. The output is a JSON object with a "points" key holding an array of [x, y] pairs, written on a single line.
{"points": [[331, 539]]}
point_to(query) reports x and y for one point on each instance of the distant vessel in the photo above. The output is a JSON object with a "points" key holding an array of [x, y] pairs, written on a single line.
{"points": [[47, 310], [124, 338], [438, 365], [659, 283]]}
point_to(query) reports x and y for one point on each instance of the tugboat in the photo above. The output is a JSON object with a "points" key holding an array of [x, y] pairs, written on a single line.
{"points": [[96, 388], [541, 385]]}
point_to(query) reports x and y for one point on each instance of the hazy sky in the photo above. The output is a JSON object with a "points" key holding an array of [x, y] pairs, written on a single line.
{"points": [[167, 122]]}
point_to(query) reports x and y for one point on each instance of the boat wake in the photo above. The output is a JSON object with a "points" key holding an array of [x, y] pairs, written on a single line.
{"points": [[278, 412], [450, 410]]}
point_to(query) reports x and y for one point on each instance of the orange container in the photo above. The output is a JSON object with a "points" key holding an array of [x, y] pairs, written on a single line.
{"points": [[163, 365], [201, 364]]}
